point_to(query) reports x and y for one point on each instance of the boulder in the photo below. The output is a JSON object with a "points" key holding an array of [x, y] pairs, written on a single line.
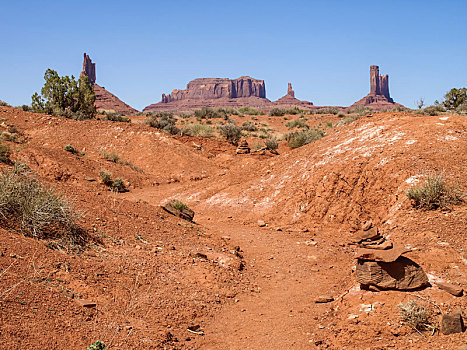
{"points": [[401, 274], [451, 324], [183, 213], [450, 288]]}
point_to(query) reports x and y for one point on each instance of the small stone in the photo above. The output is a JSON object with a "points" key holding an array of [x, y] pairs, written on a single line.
{"points": [[261, 223], [324, 299], [450, 288], [451, 324], [86, 303], [367, 225]]}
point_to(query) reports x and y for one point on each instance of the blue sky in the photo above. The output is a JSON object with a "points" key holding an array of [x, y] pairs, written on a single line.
{"points": [[145, 48]]}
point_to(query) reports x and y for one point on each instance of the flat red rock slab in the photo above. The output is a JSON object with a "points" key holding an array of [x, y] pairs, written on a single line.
{"points": [[388, 255]]}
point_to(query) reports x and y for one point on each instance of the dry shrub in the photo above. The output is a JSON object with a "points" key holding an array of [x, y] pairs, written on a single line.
{"points": [[434, 193], [37, 211], [415, 316]]}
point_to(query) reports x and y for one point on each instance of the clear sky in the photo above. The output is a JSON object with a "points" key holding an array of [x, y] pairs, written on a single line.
{"points": [[145, 48]]}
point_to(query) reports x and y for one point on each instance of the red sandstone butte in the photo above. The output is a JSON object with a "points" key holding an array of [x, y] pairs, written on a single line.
{"points": [[215, 92], [289, 100], [104, 99], [379, 97]]}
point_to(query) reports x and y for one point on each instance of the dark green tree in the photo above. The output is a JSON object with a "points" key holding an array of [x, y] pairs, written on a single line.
{"points": [[454, 98], [64, 96]]}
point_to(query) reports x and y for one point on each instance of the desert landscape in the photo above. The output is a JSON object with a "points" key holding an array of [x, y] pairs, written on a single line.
{"points": [[216, 218]]}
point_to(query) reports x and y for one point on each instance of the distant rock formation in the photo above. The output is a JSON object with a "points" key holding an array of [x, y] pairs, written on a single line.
{"points": [[89, 69], [212, 88], [215, 92], [104, 99], [289, 100], [379, 97]]}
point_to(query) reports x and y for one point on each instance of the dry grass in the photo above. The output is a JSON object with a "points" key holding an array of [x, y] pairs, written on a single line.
{"points": [[434, 193]]}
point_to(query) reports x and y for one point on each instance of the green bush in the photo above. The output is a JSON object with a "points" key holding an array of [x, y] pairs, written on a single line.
{"points": [[433, 110], [327, 110], [4, 104], [360, 110], [65, 97], [111, 157], [118, 185], [279, 112], [39, 211], [164, 121], [116, 117], [209, 113], [231, 132], [179, 205], [249, 126], [434, 193], [297, 123], [454, 98], [349, 119], [71, 149], [98, 345], [250, 111], [271, 144], [200, 130], [304, 137], [5, 154], [106, 178]]}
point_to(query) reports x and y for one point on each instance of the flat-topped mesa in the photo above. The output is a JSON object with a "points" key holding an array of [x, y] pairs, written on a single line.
{"points": [[215, 88], [89, 69]]}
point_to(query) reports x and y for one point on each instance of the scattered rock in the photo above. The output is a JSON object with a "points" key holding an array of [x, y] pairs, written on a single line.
{"points": [[324, 299], [401, 274], [261, 223], [450, 288], [451, 324]]}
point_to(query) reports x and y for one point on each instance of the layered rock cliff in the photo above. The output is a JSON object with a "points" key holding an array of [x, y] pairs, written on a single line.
{"points": [[215, 92], [213, 88], [104, 99]]}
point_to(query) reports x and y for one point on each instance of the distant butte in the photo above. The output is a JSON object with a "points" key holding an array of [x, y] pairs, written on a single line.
{"points": [[104, 99], [379, 97], [215, 92], [289, 100]]}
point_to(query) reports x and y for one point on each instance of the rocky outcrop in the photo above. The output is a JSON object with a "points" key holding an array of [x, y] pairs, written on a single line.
{"points": [[89, 69], [289, 100], [215, 92], [379, 97], [380, 263], [105, 100]]}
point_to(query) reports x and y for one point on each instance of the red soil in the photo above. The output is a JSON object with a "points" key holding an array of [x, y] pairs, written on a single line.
{"points": [[150, 285]]}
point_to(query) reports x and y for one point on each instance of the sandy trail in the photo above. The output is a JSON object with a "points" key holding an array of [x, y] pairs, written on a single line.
{"points": [[288, 270]]}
